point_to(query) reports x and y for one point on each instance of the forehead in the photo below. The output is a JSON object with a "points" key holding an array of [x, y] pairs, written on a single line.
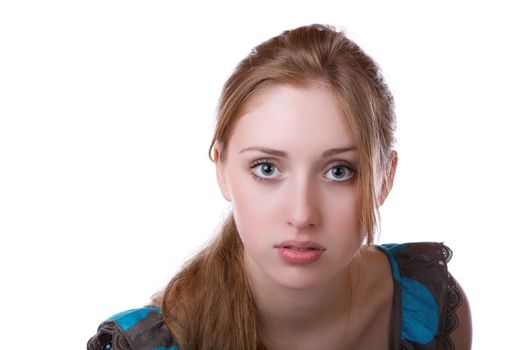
{"points": [[292, 118]]}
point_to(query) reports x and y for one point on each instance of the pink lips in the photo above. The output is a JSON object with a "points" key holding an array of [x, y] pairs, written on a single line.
{"points": [[297, 252]]}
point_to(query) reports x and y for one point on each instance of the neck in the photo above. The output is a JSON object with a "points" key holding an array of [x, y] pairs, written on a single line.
{"points": [[292, 311]]}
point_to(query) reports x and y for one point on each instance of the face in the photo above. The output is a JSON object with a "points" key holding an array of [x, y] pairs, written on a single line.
{"points": [[290, 173]]}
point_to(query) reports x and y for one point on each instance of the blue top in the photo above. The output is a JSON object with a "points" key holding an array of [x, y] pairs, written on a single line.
{"points": [[425, 301]]}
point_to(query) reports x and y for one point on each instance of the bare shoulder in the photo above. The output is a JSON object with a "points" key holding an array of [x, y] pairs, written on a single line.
{"points": [[461, 336], [369, 323], [375, 266], [374, 288]]}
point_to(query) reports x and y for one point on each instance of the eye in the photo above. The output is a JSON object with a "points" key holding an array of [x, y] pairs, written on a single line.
{"points": [[341, 172], [263, 170]]}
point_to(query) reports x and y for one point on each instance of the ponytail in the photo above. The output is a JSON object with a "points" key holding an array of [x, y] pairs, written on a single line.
{"points": [[208, 305]]}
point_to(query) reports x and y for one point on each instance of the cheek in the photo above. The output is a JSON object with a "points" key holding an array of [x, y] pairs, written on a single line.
{"points": [[344, 219], [349, 214], [254, 208]]}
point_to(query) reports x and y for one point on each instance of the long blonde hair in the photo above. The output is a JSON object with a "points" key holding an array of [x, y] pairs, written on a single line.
{"points": [[208, 304]]}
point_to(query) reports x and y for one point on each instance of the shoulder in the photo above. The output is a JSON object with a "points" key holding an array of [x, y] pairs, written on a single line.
{"points": [[431, 306], [137, 329]]}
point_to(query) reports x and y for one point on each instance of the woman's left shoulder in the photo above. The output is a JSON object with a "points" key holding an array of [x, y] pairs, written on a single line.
{"points": [[134, 329], [427, 288]]}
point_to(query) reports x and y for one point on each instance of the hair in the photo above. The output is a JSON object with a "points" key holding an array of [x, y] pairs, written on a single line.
{"points": [[209, 304]]}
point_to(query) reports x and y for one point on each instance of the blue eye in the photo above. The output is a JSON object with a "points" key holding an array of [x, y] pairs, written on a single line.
{"points": [[341, 172], [263, 170]]}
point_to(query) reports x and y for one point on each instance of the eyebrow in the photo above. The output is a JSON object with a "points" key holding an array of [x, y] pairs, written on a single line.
{"points": [[283, 154]]}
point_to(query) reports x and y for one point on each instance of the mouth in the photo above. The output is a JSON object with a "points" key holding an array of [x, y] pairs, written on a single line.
{"points": [[299, 248], [301, 245], [300, 253]]}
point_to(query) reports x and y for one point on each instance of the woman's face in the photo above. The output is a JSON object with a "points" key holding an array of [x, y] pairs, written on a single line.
{"points": [[290, 172]]}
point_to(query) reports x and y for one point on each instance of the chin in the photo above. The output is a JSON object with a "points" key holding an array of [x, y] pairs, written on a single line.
{"points": [[299, 279]]}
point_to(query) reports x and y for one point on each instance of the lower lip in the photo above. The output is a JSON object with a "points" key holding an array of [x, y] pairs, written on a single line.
{"points": [[300, 256]]}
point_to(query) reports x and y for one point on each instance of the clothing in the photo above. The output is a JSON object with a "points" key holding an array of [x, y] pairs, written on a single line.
{"points": [[424, 307], [426, 296]]}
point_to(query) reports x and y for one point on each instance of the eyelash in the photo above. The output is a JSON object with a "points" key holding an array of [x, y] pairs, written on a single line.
{"points": [[267, 161]]}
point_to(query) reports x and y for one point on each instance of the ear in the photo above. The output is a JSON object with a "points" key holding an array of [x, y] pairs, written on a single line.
{"points": [[220, 172], [388, 181]]}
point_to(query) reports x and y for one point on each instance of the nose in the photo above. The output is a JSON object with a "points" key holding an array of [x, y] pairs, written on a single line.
{"points": [[303, 205]]}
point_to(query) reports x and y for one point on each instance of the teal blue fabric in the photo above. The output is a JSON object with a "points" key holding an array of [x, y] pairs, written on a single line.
{"points": [[419, 309], [391, 251], [127, 319]]}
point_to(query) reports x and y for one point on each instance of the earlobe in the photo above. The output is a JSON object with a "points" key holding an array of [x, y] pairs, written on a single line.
{"points": [[220, 173], [388, 181]]}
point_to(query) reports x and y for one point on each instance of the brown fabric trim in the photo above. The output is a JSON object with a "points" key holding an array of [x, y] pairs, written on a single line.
{"points": [[109, 334], [454, 301]]}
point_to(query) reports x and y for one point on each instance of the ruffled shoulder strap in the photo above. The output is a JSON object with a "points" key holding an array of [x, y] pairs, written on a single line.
{"points": [[136, 329], [421, 294]]}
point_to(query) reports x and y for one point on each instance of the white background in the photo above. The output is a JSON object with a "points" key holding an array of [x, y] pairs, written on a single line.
{"points": [[107, 111]]}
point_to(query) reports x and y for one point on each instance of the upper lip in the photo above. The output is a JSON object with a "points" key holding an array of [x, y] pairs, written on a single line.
{"points": [[300, 244]]}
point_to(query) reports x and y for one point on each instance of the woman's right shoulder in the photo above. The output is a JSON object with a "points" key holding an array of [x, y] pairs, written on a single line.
{"points": [[134, 329]]}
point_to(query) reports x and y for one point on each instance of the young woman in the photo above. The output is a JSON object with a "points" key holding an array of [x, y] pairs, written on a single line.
{"points": [[304, 151]]}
